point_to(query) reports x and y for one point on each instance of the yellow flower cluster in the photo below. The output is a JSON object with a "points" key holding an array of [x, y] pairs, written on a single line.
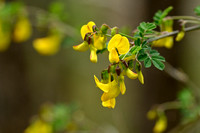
{"points": [[112, 82]]}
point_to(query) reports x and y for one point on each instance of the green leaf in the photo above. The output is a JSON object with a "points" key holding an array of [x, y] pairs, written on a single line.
{"points": [[140, 29], [137, 42], [135, 49], [147, 62], [127, 55], [144, 43], [159, 15], [154, 52], [142, 57], [197, 10], [158, 64], [158, 57], [147, 26]]}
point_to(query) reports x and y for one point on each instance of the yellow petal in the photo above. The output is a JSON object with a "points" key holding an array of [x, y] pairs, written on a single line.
{"points": [[113, 43], [90, 25], [22, 30], [180, 36], [81, 47], [47, 45], [113, 56], [123, 46], [87, 29], [141, 77], [99, 42], [122, 87], [169, 42], [113, 92], [110, 103], [93, 54], [131, 74], [103, 87]]}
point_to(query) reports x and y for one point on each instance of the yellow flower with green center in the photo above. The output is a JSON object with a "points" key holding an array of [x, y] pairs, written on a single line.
{"points": [[111, 91], [98, 42], [48, 45], [167, 42], [118, 44], [22, 30]]}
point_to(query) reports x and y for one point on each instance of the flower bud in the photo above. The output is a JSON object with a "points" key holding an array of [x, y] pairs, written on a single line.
{"points": [[114, 31], [95, 28], [81, 47], [151, 115], [180, 36], [161, 125], [138, 68], [118, 70], [104, 28], [122, 84], [131, 74]]}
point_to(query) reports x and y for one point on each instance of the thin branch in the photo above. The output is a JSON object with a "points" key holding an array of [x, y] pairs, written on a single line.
{"points": [[182, 77], [192, 28]]}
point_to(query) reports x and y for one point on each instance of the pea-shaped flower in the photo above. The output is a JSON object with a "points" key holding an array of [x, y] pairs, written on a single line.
{"points": [[117, 45], [47, 45], [111, 91], [94, 41]]}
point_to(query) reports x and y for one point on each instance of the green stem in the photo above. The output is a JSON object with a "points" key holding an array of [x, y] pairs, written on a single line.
{"points": [[196, 27], [185, 17], [169, 105], [126, 36]]}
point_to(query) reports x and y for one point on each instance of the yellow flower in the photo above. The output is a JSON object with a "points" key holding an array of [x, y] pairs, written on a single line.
{"points": [[167, 25], [22, 30], [87, 29], [48, 45], [161, 125], [111, 91], [118, 44], [98, 42], [39, 126]]}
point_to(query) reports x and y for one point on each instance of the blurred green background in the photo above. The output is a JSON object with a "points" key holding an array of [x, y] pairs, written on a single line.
{"points": [[27, 79]]}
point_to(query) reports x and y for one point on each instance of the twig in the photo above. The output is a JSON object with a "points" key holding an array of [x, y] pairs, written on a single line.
{"points": [[182, 77], [196, 27]]}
